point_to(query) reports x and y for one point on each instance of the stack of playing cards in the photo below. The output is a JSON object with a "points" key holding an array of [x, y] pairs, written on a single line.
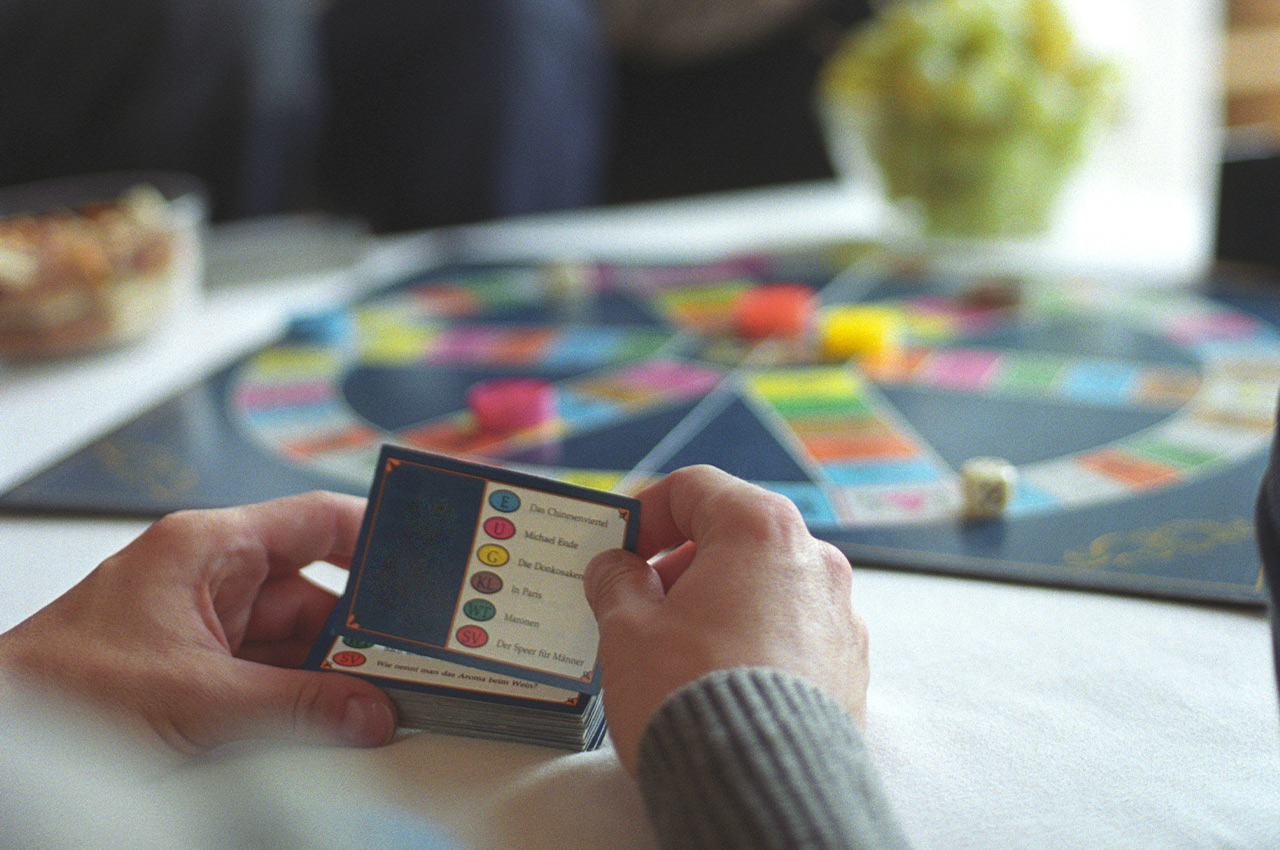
{"points": [[465, 599]]}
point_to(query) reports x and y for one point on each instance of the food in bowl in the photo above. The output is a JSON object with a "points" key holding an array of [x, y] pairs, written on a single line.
{"points": [[975, 111], [88, 275]]}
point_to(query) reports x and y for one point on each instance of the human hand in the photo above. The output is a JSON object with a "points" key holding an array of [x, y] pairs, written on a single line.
{"points": [[187, 630], [744, 584]]}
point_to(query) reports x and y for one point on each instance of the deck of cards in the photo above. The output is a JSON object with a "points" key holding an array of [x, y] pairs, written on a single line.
{"points": [[465, 600]]}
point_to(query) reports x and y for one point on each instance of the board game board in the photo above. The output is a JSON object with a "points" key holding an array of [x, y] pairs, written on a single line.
{"points": [[1138, 422]]}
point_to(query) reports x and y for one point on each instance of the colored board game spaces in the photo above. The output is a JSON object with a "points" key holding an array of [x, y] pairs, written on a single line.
{"points": [[852, 443], [1118, 409], [591, 404], [1041, 375]]}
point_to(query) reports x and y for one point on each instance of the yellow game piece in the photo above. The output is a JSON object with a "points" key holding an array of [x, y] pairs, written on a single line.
{"points": [[860, 330]]}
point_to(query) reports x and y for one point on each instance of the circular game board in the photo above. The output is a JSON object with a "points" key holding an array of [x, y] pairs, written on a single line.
{"points": [[1138, 421], [1095, 395]]}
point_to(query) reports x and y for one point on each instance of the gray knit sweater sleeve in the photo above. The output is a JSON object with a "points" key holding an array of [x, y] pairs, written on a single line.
{"points": [[753, 758]]}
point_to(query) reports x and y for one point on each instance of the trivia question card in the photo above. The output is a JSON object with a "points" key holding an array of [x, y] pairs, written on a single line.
{"points": [[482, 566]]}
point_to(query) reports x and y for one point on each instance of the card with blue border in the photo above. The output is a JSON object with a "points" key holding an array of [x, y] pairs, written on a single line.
{"points": [[482, 567]]}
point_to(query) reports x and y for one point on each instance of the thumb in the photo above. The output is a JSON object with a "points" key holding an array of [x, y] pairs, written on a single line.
{"points": [[619, 579], [309, 706]]}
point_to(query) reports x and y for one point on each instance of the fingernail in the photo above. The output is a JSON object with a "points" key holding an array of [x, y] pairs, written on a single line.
{"points": [[367, 722]]}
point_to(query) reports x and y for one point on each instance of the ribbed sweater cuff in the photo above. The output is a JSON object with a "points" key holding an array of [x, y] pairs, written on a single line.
{"points": [[755, 758]]}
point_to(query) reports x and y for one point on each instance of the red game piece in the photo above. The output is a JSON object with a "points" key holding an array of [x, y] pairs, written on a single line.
{"points": [[774, 309], [503, 405]]}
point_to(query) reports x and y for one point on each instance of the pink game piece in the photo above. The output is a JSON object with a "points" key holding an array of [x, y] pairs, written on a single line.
{"points": [[503, 405]]}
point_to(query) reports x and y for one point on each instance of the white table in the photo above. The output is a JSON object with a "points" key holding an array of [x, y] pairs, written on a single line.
{"points": [[1001, 715]]}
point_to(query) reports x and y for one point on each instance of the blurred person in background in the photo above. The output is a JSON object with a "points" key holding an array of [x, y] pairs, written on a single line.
{"points": [[409, 113]]}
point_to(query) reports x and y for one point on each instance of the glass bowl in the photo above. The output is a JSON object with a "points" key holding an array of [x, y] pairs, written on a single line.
{"points": [[96, 261]]}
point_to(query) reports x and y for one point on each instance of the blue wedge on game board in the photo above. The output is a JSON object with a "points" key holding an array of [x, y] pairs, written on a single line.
{"points": [[465, 598]]}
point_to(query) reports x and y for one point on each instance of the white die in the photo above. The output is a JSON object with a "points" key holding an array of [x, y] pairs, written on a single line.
{"points": [[987, 486]]}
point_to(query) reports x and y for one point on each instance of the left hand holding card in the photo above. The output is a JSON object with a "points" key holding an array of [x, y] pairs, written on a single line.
{"points": [[185, 633]]}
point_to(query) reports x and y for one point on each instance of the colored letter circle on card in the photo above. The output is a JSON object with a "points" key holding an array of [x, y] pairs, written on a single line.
{"points": [[479, 609], [472, 637], [349, 658], [486, 582], [499, 527], [504, 500], [493, 554]]}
